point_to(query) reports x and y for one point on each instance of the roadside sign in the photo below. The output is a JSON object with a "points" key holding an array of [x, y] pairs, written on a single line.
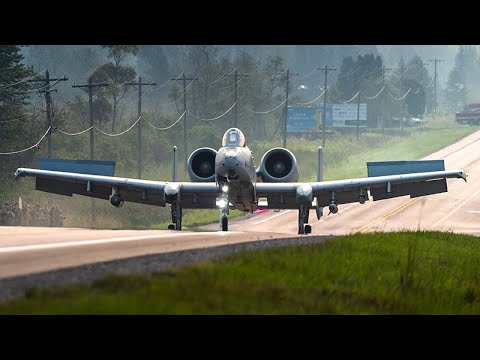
{"points": [[301, 119]]}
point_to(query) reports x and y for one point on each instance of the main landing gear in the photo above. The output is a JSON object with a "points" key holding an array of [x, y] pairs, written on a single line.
{"points": [[303, 213], [176, 218]]}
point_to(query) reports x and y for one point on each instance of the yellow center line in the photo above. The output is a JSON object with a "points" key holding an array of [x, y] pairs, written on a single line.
{"points": [[387, 215]]}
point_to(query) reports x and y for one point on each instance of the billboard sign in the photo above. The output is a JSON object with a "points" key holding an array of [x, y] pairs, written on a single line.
{"points": [[345, 115], [309, 119], [301, 119]]}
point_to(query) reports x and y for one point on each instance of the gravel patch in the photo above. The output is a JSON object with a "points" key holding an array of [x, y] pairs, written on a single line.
{"points": [[14, 287]]}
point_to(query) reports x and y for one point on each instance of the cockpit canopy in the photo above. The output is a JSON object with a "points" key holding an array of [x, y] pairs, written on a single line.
{"points": [[233, 137]]}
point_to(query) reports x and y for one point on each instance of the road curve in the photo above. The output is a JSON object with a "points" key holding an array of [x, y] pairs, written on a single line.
{"points": [[457, 210]]}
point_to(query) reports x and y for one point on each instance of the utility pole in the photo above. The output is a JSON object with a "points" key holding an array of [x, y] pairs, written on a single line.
{"points": [[326, 69], [286, 109], [421, 71], [236, 96], [48, 99], [139, 125], [90, 87], [184, 80], [358, 115], [435, 88], [384, 69]]}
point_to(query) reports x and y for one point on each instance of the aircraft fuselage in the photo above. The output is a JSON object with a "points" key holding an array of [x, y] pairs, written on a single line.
{"points": [[234, 167]]}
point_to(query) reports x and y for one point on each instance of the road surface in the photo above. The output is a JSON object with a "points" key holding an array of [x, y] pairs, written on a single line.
{"points": [[457, 210], [28, 250]]}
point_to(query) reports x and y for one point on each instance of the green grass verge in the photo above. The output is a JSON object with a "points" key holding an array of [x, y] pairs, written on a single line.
{"points": [[397, 273], [196, 218]]}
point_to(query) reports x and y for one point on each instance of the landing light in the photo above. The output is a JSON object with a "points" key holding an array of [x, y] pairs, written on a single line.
{"points": [[225, 188], [221, 203]]}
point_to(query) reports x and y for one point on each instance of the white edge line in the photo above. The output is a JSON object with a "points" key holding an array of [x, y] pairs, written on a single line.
{"points": [[12, 249], [271, 217], [458, 207]]}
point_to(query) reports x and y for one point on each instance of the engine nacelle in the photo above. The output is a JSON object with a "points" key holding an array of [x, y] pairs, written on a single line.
{"points": [[201, 165], [278, 165]]}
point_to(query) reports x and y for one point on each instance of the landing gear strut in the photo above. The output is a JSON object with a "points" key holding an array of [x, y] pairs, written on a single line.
{"points": [[224, 222], [225, 209], [303, 213], [176, 218]]}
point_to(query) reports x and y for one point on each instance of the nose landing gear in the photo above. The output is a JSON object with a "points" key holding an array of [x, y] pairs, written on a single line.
{"points": [[303, 213]]}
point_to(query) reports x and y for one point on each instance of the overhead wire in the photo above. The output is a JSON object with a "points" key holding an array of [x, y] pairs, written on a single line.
{"points": [[30, 147], [168, 127], [121, 133], [268, 111], [215, 118], [22, 81], [381, 90], [309, 102], [341, 101], [401, 98]]}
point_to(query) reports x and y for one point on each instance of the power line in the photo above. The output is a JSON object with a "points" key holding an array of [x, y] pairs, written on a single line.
{"points": [[23, 80], [165, 128], [31, 147], [215, 118], [310, 102], [268, 111], [120, 133]]}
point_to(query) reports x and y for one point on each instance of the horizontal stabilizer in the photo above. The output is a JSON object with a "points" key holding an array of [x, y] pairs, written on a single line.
{"points": [[383, 168], [92, 167]]}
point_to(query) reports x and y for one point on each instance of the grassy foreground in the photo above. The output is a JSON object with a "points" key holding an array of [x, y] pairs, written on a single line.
{"points": [[397, 273]]}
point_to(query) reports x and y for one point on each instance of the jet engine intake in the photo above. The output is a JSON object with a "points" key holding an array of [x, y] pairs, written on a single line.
{"points": [[201, 165], [278, 165]]}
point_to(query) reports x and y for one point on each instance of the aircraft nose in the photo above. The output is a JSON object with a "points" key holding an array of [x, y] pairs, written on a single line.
{"points": [[229, 166], [230, 162], [231, 172]]}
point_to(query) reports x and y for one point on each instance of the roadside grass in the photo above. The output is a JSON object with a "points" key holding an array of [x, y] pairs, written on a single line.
{"points": [[420, 272], [197, 217]]}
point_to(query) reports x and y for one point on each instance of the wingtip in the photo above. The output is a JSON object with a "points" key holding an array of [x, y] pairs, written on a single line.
{"points": [[18, 173]]}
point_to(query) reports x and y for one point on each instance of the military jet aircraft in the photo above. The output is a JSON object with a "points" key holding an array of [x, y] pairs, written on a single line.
{"points": [[228, 178]]}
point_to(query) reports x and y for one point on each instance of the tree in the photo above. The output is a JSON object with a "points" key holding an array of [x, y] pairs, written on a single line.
{"points": [[14, 98], [119, 52], [116, 74], [275, 73], [456, 89]]}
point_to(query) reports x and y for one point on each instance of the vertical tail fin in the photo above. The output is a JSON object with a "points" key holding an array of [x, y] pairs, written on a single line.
{"points": [[175, 167]]}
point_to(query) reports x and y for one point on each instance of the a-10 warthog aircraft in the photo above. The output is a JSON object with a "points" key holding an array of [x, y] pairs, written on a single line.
{"points": [[227, 178]]}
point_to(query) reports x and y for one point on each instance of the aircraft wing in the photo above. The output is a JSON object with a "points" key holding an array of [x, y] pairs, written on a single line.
{"points": [[386, 180], [192, 195]]}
